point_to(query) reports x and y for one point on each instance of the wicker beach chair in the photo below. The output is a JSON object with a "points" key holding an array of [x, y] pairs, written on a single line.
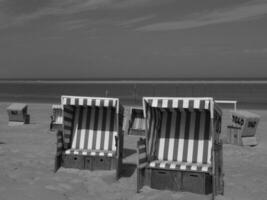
{"points": [[136, 122], [92, 135], [182, 149], [18, 114], [56, 118]]}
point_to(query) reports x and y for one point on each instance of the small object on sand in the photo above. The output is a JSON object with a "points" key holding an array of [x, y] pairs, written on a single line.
{"points": [[182, 149], [17, 113], [243, 129]]}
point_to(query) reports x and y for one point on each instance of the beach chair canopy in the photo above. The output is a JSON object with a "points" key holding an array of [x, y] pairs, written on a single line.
{"points": [[180, 133], [57, 114], [17, 107], [137, 119], [90, 125]]}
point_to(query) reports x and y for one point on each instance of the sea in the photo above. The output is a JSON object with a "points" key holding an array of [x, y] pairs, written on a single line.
{"points": [[130, 92]]}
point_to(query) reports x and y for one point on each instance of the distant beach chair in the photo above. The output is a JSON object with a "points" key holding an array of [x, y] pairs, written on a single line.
{"points": [[17, 113], [182, 149], [56, 118], [242, 131], [136, 122], [92, 136]]}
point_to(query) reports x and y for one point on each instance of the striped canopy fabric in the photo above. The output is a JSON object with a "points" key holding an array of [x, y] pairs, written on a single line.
{"points": [[90, 126], [137, 118], [179, 136], [57, 114]]}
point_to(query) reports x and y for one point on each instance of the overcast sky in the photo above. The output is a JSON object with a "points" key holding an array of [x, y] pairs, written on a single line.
{"points": [[133, 38]]}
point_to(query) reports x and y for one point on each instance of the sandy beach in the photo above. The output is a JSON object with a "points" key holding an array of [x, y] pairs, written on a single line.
{"points": [[27, 161]]}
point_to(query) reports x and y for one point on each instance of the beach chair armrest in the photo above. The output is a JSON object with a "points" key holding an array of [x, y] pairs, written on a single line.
{"points": [[141, 153], [60, 147]]}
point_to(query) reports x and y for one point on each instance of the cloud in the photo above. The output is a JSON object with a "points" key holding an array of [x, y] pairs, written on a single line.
{"points": [[242, 12], [262, 51]]}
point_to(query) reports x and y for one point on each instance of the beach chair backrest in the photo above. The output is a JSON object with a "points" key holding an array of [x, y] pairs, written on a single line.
{"points": [[90, 123], [57, 114], [178, 129]]}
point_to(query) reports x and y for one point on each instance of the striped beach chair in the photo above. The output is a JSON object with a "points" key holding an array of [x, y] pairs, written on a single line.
{"points": [[57, 117], [136, 122], [182, 149], [92, 134]]}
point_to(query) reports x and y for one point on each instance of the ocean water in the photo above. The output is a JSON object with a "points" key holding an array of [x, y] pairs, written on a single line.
{"points": [[132, 92]]}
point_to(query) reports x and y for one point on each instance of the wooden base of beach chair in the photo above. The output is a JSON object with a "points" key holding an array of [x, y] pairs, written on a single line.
{"points": [[166, 179], [196, 182], [73, 161], [234, 137], [102, 163]]}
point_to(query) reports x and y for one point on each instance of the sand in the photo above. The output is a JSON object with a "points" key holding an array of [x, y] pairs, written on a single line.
{"points": [[27, 160]]}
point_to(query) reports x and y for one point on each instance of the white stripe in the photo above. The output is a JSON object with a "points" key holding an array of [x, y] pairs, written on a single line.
{"points": [[173, 166], [205, 168], [84, 119], [89, 102], [106, 141], [98, 140], [142, 155], [154, 103], [183, 167], [101, 154], [162, 138], [110, 154], [196, 103], [84, 153], [201, 137], [165, 103], [64, 100], [194, 167], [97, 102], [114, 103], [68, 115], [172, 134], [93, 153], [185, 103], [67, 151], [142, 146], [209, 151], [175, 103], [152, 164], [75, 130], [81, 101], [163, 164], [76, 152], [181, 140], [191, 137], [106, 101], [72, 101], [67, 124], [206, 104]]}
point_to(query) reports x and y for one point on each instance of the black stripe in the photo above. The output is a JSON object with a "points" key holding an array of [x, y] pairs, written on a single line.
{"points": [[196, 138], [102, 102], [93, 102], [67, 119], [85, 102], [160, 103], [170, 103], [180, 104], [206, 137], [141, 161], [186, 137], [68, 110], [68, 101], [202, 104], [191, 104], [111, 128], [176, 135], [103, 128], [142, 150], [76, 101]]}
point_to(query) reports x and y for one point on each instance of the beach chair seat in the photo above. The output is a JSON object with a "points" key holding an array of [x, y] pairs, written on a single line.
{"points": [[174, 165], [181, 147], [90, 152], [92, 127]]}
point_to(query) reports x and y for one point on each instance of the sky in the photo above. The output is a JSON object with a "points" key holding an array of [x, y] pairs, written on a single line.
{"points": [[129, 39]]}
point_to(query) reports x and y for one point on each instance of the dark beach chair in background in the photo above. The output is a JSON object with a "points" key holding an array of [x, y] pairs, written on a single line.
{"points": [[56, 118], [182, 149], [242, 131], [136, 122], [92, 136], [18, 114]]}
